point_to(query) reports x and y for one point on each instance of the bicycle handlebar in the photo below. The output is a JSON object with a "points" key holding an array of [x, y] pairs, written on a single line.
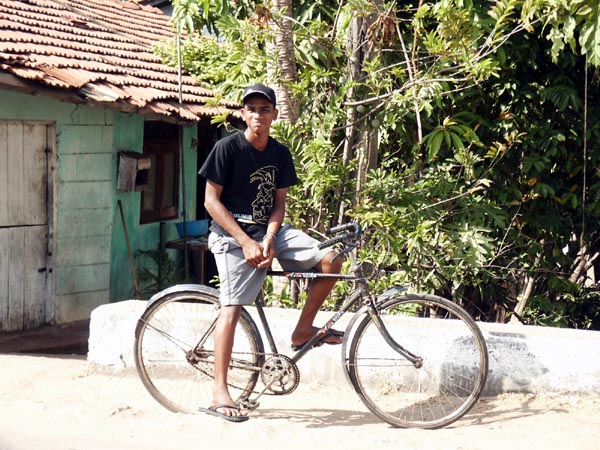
{"points": [[354, 235], [346, 226]]}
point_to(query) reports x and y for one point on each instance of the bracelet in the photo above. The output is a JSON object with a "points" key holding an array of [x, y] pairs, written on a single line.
{"points": [[273, 235]]}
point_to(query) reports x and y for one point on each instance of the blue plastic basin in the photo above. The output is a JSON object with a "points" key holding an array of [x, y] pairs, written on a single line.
{"points": [[193, 228]]}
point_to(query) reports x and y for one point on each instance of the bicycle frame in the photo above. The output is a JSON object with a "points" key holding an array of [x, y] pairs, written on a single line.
{"points": [[358, 293], [361, 292]]}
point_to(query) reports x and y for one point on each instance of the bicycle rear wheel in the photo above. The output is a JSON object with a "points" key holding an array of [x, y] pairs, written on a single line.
{"points": [[174, 351], [444, 381]]}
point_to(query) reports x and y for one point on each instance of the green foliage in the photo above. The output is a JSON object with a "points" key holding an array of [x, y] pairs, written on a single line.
{"points": [[570, 24], [314, 203], [455, 136], [478, 112], [156, 270], [193, 15], [224, 65], [577, 309], [279, 298]]}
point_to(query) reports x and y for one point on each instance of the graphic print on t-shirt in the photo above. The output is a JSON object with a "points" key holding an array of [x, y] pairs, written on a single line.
{"points": [[262, 204]]}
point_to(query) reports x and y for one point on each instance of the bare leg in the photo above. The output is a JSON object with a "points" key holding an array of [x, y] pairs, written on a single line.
{"points": [[224, 337], [318, 292]]}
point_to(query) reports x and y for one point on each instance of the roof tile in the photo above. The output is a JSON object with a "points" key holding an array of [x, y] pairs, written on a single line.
{"points": [[101, 51]]}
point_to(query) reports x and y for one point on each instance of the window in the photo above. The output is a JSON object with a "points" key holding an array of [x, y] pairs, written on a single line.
{"points": [[160, 198]]}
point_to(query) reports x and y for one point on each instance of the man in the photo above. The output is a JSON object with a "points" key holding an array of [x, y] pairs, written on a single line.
{"points": [[248, 175]]}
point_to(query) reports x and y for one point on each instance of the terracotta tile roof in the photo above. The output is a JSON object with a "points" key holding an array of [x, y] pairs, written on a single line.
{"points": [[97, 52]]}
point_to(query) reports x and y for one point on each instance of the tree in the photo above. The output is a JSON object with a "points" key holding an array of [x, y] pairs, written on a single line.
{"points": [[483, 182], [284, 72]]}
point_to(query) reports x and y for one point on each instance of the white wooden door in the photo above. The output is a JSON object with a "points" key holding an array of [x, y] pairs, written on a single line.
{"points": [[24, 216]]}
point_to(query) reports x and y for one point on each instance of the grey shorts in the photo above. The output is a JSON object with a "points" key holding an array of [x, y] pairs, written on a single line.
{"points": [[241, 282]]}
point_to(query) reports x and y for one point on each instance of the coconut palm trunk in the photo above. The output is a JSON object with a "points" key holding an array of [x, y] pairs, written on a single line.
{"points": [[283, 69]]}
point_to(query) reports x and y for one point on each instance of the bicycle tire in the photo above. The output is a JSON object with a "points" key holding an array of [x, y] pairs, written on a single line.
{"points": [[454, 362], [180, 379]]}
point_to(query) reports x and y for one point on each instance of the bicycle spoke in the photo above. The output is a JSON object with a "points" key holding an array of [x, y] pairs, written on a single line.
{"points": [[448, 376], [174, 355], [181, 344]]}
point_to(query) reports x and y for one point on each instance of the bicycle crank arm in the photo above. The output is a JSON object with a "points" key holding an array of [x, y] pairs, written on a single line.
{"points": [[254, 401]]}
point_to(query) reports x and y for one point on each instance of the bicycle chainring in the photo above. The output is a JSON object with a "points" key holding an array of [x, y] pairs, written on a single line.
{"points": [[281, 374]]}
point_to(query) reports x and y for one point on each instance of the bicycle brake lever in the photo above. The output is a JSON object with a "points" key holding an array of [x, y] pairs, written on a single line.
{"points": [[348, 249]]}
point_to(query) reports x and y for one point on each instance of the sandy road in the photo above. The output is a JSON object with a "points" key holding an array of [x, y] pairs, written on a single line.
{"points": [[50, 403]]}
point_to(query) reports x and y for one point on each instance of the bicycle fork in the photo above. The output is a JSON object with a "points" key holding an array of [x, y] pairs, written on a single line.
{"points": [[417, 361]]}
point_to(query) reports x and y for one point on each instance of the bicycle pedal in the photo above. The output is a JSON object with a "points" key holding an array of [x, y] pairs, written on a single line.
{"points": [[248, 404]]}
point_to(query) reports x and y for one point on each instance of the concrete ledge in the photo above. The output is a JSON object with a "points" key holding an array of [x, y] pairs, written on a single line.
{"points": [[522, 358], [112, 331], [542, 359]]}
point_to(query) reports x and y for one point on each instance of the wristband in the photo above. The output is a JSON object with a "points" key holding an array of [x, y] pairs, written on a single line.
{"points": [[273, 235]]}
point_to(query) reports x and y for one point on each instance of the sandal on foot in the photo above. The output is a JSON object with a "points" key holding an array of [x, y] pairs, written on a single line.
{"points": [[212, 410], [329, 333]]}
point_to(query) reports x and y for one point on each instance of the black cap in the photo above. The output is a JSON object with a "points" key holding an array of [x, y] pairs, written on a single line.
{"points": [[260, 89]]}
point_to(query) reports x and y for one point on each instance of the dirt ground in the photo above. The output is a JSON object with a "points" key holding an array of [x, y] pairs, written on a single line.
{"points": [[57, 403]]}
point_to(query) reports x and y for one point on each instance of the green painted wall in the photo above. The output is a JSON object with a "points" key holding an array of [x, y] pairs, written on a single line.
{"points": [[91, 264], [83, 204], [128, 137]]}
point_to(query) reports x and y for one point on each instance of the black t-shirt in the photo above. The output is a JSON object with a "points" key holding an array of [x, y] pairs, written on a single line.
{"points": [[249, 178]]}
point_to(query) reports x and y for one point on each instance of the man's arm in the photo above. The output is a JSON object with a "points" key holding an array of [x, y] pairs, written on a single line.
{"points": [[278, 211], [212, 202]]}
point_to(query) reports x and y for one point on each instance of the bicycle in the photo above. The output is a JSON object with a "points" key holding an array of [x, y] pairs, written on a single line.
{"points": [[415, 360]]}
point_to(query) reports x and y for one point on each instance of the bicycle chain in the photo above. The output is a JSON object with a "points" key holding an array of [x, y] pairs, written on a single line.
{"points": [[271, 356]]}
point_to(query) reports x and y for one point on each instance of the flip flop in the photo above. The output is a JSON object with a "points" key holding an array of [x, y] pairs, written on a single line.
{"points": [[329, 333], [212, 410]]}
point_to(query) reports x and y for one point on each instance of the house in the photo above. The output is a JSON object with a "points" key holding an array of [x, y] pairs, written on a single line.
{"points": [[99, 150]]}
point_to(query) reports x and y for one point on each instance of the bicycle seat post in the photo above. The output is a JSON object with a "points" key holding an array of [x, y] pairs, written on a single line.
{"points": [[260, 304]]}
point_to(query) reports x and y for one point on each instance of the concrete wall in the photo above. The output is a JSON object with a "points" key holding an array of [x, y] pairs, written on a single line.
{"points": [[521, 358]]}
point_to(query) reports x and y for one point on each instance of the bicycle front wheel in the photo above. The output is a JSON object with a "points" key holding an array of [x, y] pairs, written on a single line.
{"points": [[429, 371], [174, 351]]}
